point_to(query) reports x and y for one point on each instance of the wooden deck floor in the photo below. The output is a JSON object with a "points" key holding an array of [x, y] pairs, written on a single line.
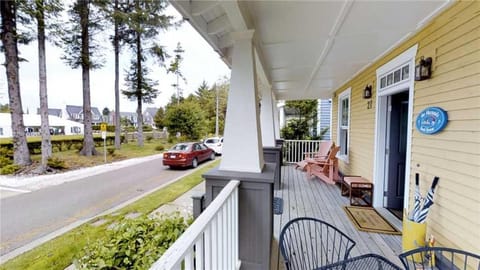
{"points": [[314, 198]]}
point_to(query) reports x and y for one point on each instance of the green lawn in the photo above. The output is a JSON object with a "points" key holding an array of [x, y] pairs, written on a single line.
{"points": [[60, 252]]}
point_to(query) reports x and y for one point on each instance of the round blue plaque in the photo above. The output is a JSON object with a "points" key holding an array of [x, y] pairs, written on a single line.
{"points": [[431, 120]]}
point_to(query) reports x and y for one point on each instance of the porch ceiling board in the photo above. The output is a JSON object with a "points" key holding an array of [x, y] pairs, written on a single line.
{"points": [[315, 46]]}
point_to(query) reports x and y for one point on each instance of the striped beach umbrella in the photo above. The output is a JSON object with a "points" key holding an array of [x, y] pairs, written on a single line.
{"points": [[417, 199], [428, 202]]}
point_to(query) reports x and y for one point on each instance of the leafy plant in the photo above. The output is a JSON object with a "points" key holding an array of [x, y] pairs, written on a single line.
{"points": [[159, 147], [9, 169], [56, 163], [149, 138], [133, 244], [5, 161], [111, 151]]}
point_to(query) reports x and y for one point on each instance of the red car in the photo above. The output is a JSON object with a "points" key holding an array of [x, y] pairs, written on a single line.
{"points": [[187, 154]]}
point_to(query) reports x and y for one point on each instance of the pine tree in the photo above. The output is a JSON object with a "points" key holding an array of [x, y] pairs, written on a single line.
{"points": [[9, 36], [82, 51], [145, 20], [175, 69], [39, 11]]}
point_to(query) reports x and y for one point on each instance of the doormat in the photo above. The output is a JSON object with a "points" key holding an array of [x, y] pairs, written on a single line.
{"points": [[367, 219]]}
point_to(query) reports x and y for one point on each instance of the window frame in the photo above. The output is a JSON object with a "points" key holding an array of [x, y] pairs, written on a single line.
{"points": [[346, 94]]}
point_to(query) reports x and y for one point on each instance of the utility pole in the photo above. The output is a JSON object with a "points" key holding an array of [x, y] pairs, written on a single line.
{"points": [[216, 111]]}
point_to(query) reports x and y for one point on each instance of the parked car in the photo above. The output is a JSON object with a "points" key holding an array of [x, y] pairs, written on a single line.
{"points": [[187, 154], [215, 143]]}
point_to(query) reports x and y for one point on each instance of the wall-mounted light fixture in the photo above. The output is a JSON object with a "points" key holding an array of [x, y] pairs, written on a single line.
{"points": [[367, 92], [423, 70]]}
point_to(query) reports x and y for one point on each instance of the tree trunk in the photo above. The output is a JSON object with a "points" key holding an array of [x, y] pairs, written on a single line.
{"points": [[116, 47], [42, 70], [88, 144], [139, 90], [21, 155]]}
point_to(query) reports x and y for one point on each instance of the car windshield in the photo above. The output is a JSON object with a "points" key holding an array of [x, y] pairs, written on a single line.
{"points": [[211, 141], [180, 147]]}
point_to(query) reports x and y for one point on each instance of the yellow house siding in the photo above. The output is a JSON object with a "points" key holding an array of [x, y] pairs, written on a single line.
{"points": [[452, 39]]}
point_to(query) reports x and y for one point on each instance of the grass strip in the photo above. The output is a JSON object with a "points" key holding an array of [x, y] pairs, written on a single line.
{"points": [[59, 252]]}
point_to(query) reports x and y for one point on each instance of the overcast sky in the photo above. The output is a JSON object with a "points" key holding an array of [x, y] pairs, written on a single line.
{"points": [[64, 85]]}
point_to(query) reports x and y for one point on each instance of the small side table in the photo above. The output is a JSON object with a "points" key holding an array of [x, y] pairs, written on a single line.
{"points": [[359, 189]]}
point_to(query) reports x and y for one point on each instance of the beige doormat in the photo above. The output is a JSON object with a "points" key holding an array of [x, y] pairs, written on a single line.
{"points": [[367, 219]]}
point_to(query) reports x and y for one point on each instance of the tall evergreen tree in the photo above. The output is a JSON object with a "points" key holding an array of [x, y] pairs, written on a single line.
{"points": [[39, 11], [81, 51], [145, 21], [175, 69], [9, 36]]}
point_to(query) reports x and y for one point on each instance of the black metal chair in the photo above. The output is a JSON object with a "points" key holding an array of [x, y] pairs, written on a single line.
{"points": [[309, 243], [363, 262], [439, 258]]}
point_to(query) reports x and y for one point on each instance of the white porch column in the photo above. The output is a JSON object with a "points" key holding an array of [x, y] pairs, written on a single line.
{"points": [[276, 123], [242, 149], [266, 117], [281, 108]]}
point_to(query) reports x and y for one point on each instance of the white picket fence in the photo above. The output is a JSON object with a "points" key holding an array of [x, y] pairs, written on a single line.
{"points": [[211, 242]]}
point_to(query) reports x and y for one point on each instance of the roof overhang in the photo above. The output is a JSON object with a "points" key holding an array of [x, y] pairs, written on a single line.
{"points": [[308, 49]]}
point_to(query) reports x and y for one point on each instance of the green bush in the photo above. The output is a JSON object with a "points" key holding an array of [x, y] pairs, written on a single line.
{"points": [[159, 147], [9, 169], [133, 244], [149, 138], [111, 151], [56, 163], [6, 152]]}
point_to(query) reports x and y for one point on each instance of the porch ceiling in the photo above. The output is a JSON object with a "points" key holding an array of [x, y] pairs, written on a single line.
{"points": [[308, 49]]}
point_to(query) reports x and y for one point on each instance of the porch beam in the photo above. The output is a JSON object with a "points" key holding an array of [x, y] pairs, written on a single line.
{"points": [[198, 8], [242, 150], [218, 25]]}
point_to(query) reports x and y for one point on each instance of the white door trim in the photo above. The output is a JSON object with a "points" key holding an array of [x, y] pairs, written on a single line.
{"points": [[407, 56]]}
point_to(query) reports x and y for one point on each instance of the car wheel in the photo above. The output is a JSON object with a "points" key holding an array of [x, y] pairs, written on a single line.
{"points": [[194, 163], [212, 156]]}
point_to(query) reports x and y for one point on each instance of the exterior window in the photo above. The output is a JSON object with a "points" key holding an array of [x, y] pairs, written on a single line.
{"points": [[344, 123]]}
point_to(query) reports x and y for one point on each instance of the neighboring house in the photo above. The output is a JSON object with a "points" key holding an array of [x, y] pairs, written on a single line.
{"points": [[54, 112], [75, 113], [149, 115], [32, 123], [131, 117], [324, 117]]}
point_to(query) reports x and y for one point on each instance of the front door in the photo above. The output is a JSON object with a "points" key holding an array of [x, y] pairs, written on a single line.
{"points": [[397, 148]]}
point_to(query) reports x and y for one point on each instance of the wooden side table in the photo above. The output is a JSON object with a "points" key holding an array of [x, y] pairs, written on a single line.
{"points": [[359, 189]]}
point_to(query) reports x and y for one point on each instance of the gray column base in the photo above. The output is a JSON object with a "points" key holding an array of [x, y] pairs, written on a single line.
{"points": [[274, 155], [255, 212]]}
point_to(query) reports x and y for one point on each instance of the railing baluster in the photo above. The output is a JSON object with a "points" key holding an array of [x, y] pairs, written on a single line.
{"points": [[294, 149], [211, 234]]}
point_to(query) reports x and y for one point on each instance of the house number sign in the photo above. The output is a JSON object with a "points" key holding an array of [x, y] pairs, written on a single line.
{"points": [[431, 120]]}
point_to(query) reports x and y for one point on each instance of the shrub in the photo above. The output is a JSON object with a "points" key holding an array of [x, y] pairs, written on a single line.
{"points": [[56, 163], [9, 169], [6, 152], [111, 151], [133, 244], [4, 161], [149, 138], [159, 147]]}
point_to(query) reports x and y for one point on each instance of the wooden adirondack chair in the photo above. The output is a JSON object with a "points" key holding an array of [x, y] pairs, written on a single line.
{"points": [[321, 155], [325, 170]]}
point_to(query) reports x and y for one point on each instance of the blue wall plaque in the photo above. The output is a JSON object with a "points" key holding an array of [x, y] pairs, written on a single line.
{"points": [[431, 120]]}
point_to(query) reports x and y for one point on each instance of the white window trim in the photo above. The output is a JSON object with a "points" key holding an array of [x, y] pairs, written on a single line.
{"points": [[343, 95]]}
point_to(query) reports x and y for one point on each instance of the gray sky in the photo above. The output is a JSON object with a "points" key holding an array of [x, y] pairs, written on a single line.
{"points": [[64, 85]]}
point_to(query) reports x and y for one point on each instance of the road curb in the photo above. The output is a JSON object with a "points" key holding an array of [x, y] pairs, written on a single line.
{"points": [[18, 251]]}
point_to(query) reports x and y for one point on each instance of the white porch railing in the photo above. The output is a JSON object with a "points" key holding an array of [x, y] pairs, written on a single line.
{"points": [[293, 150], [211, 242]]}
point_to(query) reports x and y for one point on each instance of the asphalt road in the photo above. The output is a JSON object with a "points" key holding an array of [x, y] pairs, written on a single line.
{"points": [[29, 216]]}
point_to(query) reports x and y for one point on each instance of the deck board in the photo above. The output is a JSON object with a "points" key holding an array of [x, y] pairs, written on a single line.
{"points": [[315, 198]]}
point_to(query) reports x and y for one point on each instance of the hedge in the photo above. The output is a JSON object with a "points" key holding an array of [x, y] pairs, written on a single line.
{"points": [[63, 144]]}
